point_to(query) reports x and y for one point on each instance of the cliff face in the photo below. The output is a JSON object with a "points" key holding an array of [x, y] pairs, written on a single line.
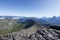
{"points": [[36, 32]]}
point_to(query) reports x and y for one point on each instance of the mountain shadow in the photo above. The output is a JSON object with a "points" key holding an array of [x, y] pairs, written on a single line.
{"points": [[55, 27], [29, 23]]}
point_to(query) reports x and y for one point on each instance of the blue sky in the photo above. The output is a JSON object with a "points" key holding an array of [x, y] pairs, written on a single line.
{"points": [[30, 8]]}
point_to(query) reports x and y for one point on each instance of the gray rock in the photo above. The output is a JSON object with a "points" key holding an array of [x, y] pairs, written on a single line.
{"points": [[42, 33]]}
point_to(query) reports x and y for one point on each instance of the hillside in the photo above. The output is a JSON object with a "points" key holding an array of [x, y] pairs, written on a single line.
{"points": [[8, 25], [28, 29], [35, 31]]}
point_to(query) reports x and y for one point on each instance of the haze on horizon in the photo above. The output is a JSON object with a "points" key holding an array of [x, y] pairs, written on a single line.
{"points": [[30, 8]]}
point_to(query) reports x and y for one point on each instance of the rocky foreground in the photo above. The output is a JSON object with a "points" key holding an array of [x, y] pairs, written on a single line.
{"points": [[41, 33]]}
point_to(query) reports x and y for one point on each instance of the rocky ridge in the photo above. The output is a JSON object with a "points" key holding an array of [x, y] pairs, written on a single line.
{"points": [[41, 33]]}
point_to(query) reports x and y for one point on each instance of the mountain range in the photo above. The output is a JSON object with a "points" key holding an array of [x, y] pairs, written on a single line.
{"points": [[44, 20], [32, 31], [29, 28], [51, 20]]}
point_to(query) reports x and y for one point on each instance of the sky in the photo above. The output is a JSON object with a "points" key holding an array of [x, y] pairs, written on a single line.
{"points": [[30, 8]]}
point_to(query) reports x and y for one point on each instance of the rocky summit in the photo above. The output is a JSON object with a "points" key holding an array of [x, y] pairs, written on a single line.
{"points": [[35, 32]]}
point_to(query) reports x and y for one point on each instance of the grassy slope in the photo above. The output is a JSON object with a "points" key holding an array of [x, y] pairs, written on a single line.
{"points": [[15, 27]]}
